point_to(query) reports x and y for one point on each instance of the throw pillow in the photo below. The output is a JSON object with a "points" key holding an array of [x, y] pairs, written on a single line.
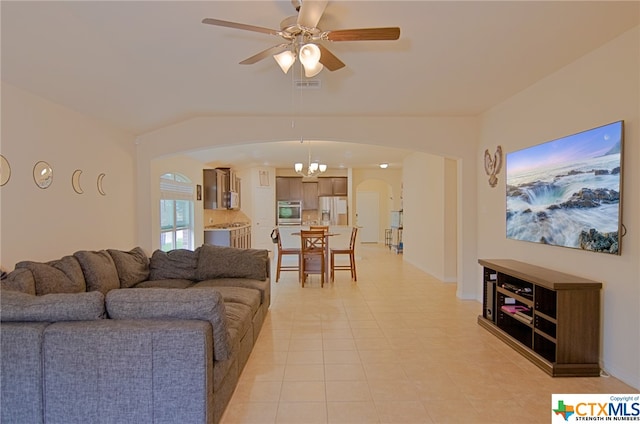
{"points": [[225, 262], [60, 276], [99, 270], [202, 304], [132, 266], [54, 307], [179, 263], [20, 280]]}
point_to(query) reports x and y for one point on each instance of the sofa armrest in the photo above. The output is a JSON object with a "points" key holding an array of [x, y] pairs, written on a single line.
{"points": [[166, 304], [16, 306]]}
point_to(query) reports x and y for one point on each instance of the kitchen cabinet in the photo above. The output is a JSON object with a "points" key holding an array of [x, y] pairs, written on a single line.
{"points": [[309, 196], [289, 188], [332, 186], [239, 237]]}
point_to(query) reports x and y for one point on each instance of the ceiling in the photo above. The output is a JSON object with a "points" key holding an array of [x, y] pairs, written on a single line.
{"points": [[142, 65]]}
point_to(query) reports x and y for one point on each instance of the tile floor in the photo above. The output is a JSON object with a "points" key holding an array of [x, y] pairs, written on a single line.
{"points": [[395, 347]]}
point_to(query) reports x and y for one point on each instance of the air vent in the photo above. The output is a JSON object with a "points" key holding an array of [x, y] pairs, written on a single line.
{"points": [[307, 84]]}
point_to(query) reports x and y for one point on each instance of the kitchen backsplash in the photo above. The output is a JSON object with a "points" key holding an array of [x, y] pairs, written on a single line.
{"points": [[215, 216]]}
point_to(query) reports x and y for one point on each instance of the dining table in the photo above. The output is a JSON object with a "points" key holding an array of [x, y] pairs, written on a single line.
{"points": [[327, 265]]}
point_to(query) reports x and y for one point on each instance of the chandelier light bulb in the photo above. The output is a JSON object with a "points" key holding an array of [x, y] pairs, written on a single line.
{"points": [[323, 167], [384, 165], [313, 167], [298, 167]]}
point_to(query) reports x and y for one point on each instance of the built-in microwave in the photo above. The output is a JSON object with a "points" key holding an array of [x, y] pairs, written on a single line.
{"points": [[289, 212]]}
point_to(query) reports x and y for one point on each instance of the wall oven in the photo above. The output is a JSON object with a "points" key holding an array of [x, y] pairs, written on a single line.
{"points": [[289, 212]]}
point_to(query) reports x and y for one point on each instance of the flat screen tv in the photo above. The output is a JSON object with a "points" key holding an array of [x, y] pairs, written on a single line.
{"points": [[567, 192]]}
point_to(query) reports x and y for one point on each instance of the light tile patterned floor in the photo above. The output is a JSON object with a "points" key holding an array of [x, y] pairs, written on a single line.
{"points": [[395, 347]]}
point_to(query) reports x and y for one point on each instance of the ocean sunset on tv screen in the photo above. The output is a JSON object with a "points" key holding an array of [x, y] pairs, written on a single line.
{"points": [[567, 192]]}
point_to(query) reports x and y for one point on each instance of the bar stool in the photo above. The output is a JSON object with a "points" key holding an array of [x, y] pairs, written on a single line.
{"points": [[291, 251], [352, 257]]}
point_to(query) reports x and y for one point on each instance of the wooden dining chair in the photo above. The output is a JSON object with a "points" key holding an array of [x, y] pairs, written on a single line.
{"points": [[324, 228], [352, 257], [313, 252], [282, 251]]}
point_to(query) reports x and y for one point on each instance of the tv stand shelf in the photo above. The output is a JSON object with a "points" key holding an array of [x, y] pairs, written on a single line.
{"points": [[551, 318]]}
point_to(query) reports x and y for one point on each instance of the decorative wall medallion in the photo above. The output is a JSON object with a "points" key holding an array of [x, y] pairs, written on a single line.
{"points": [[100, 186], [75, 181], [5, 170], [42, 174], [492, 165]]}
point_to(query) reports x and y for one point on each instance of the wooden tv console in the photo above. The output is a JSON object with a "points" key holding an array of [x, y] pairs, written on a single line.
{"points": [[551, 318]]}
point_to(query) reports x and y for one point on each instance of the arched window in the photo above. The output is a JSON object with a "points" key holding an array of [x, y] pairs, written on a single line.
{"points": [[176, 212]]}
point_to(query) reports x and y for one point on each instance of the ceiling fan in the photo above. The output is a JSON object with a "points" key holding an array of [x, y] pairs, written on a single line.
{"points": [[302, 38]]}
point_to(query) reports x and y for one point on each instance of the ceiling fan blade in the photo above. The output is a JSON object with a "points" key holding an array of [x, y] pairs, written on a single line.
{"points": [[329, 60], [264, 54], [218, 22], [310, 13], [364, 34]]}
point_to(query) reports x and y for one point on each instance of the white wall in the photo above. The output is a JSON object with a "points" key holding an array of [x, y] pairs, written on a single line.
{"points": [[599, 88], [428, 232], [43, 225]]}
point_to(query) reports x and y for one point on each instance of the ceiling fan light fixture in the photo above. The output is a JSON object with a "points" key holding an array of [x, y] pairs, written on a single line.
{"points": [[285, 60], [310, 55], [312, 72]]}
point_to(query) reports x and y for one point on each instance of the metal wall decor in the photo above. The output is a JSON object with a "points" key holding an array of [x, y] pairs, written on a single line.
{"points": [[42, 174], [492, 165], [75, 181], [5, 170], [100, 184]]}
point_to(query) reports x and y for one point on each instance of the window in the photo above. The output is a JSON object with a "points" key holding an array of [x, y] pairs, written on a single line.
{"points": [[176, 212]]}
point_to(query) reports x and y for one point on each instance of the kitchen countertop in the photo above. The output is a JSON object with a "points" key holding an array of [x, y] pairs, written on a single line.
{"points": [[227, 226]]}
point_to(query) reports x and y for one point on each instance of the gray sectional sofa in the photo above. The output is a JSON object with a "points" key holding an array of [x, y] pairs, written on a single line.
{"points": [[115, 336]]}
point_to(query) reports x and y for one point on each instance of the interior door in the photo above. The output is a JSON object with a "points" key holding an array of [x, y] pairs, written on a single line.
{"points": [[263, 219], [368, 216]]}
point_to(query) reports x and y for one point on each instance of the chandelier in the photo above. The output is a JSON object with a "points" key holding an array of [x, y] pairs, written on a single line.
{"points": [[313, 168], [308, 53]]}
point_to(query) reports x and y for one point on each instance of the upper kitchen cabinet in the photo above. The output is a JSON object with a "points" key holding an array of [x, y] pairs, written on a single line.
{"points": [[332, 186], [289, 188], [221, 189], [309, 196]]}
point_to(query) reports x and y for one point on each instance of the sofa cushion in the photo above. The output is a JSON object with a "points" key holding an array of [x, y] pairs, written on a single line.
{"points": [[63, 275], [16, 306], [263, 286], [99, 270], [132, 266], [178, 263], [220, 262], [202, 304], [174, 283], [241, 295], [20, 279], [239, 318]]}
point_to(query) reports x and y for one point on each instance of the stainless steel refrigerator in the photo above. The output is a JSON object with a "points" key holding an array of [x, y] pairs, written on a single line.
{"points": [[332, 210]]}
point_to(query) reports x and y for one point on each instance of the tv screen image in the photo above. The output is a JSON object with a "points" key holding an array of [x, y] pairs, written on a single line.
{"points": [[567, 192]]}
